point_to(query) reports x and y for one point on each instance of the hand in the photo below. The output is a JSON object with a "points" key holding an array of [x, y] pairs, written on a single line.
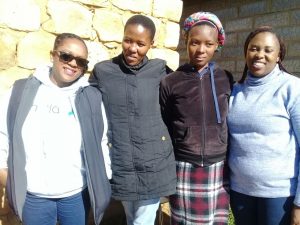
{"points": [[295, 217], [3, 177]]}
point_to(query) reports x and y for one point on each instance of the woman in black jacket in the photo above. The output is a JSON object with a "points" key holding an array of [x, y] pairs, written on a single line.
{"points": [[143, 164]]}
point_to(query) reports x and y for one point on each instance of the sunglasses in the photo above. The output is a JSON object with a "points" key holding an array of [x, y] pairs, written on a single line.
{"points": [[67, 57]]}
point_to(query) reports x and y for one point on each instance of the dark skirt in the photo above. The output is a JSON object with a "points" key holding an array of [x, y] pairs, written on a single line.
{"points": [[202, 196]]}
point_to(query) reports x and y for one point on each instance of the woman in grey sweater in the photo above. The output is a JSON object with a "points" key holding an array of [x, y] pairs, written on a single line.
{"points": [[264, 125]]}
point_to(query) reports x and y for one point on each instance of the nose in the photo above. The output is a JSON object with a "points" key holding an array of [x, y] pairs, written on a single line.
{"points": [[73, 63], [133, 47], [201, 48], [259, 54]]}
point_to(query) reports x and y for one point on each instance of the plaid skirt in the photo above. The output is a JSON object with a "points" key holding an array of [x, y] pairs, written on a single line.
{"points": [[202, 196]]}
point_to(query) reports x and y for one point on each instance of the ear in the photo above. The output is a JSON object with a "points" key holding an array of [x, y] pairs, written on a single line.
{"points": [[278, 59], [152, 43], [216, 47]]}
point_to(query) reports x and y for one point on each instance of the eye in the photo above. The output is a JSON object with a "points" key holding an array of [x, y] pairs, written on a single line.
{"points": [[141, 44], [209, 44], [252, 49], [269, 50], [193, 43], [126, 40]]}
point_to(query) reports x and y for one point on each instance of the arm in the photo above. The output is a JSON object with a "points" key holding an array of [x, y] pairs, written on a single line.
{"points": [[4, 142], [104, 145], [93, 79], [164, 100], [295, 121]]}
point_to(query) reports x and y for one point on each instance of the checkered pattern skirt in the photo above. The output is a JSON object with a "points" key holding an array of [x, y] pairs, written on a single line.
{"points": [[202, 196]]}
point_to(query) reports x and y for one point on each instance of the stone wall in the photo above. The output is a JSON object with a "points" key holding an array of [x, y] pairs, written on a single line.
{"points": [[28, 29], [239, 17]]}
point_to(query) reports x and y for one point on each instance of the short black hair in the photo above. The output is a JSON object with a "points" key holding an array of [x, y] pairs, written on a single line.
{"points": [[61, 37], [144, 21]]}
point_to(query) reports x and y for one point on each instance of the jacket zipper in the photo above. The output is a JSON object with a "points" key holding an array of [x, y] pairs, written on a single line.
{"points": [[203, 122]]}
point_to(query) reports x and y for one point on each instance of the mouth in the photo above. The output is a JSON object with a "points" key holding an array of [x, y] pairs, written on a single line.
{"points": [[258, 64], [70, 72]]}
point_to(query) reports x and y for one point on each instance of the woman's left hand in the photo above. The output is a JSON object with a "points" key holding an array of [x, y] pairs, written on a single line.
{"points": [[295, 217]]}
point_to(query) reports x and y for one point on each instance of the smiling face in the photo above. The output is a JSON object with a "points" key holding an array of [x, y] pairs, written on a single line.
{"points": [[136, 43], [65, 73], [202, 42], [262, 54]]}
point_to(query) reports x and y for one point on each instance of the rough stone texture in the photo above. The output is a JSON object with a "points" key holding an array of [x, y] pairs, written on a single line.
{"points": [[289, 33], [253, 8], [97, 52], [293, 65], [139, 6], [293, 49], [280, 5], [98, 3], [108, 25], [43, 9], [280, 19], [227, 65], [171, 41], [169, 55], [34, 49], [238, 24], [231, 39], [8, 76], [163, 9], [228, 13], [232, 52], [295, 17], [68, 16], [8, 46], [20, 15]]}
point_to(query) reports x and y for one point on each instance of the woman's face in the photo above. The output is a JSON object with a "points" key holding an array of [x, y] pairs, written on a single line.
{"points": [[262, 54], [202, 42], [69, 62], [136, 43]]}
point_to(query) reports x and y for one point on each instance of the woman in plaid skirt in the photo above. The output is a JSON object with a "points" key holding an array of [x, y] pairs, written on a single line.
{"points": [[194, 101]]}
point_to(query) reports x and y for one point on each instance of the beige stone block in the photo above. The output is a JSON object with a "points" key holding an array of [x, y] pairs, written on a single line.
{"points": [[161, 35], [97, 53], [8, 45], [172, 35], [7, 77], [34, 49], [172, 57], [20, 14], [43, 10], [99, 3], [140, 6], [170, 9], [114, 48], [68, 16], [108, 25]]}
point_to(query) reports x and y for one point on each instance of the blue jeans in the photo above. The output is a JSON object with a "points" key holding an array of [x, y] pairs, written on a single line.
{"points": [[142, 212], [249, 210], [73, 210]]}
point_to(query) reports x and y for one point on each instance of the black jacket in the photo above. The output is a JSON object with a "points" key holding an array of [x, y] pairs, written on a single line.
{"points": [[88, 107], [188, 108], [143, 164]]}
